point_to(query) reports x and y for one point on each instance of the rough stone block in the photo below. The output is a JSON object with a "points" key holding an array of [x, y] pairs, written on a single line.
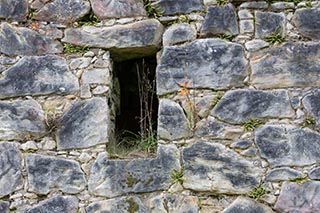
{"points": [[220, 20], [315, 173], [311, 103], [24, 41], [213, 167], [299, 197], [14, 9], [287, 145], [246, 26], [307, 22], [171, 7], [57, 204], [63, 11], [179, 33], [96, 76], [38, 75], [247, 205], [207, 63], [281, 174], [111, 178], [85, 124], [48, 173], [104, 9], [289, 65], [10, 169], [139, 39], [256, 44], [268, 22], [4, 206], [237, 106]]}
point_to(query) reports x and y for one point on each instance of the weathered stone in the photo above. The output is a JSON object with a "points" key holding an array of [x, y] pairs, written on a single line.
{"points": [[278, 6], [287, 145], [179, 33], [254, 5], [281, 174], [85, 124], [20, 120], [311, 103], [307, 22], [63, 11], [46, 173], [173, 203], [244, 144], [13, 9], [237, 106], [170, 7], [38, 75], [96, 76], [268, 23], [119, 205], [256, 44], [111, 178], [29, 146], [172, 122], [213, 167], [4, 206], [247, 205], [246, 26], [245, 14], [315, 173], [251, 152], [104, 9], [23, 41], [289, 65], [139, 39], [208, 63], [80, 63], [220, 20], [299, 197], [57, 204], [10, 168]]}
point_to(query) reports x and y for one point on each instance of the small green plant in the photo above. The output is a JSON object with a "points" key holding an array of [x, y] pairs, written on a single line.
{"points": [[177, 176], [221, 2], [69, 48], [153, 10], [89, 20], [275, 38], [133, 205], [51, 120], [309, 122], [226, 37], [308, 4], [299, 180], [257, 192], [216, 99], [252, 123]]}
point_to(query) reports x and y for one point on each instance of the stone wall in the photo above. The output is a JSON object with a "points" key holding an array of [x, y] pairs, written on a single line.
{"points": [[238, 116]]}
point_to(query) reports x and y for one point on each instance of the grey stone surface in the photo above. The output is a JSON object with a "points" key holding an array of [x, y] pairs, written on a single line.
{"points": [[104, 9], [242, 144], [111, 178], [315, 173], [118, 205], [57, 204], [268, 22], [237, 106], [254, 5], [251, 152], [21, 119], [281, 174], [245, 14], [307, 22], [170, 7], [10, 169], [207, 63], [289, 65], [85, 124], [246, 26], [24, 41], [311, 103], [139, 39], [63, 11], [96, 76], [256, 44], [299, 197], [48, 173], [14, 9], [174, 203], [38, 75], [220, 20], [172, 122], [247, 205], [179, 33], [4, 206], [278, 6], [287, 145], [213, 167]]}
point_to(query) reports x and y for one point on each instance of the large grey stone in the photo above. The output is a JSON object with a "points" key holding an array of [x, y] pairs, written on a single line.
{"points": [[315, 173], [179, 33], [10, 168], [281, 174], [220, 20], [118, 205], [4, 206], [171, 7], [24, 41], [293, 64], [104, 9], [13, 9], [85, 124], [21, 119], [299, 197], [287, 145], [237, 106], [38, 75], [247, 205], [111, 178], [268, 23], [207, 63], [63, 11], [57, 204], [172, 122], [213, 167], [307, 22], [48, 173], [311, 103], [139, 39]]}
